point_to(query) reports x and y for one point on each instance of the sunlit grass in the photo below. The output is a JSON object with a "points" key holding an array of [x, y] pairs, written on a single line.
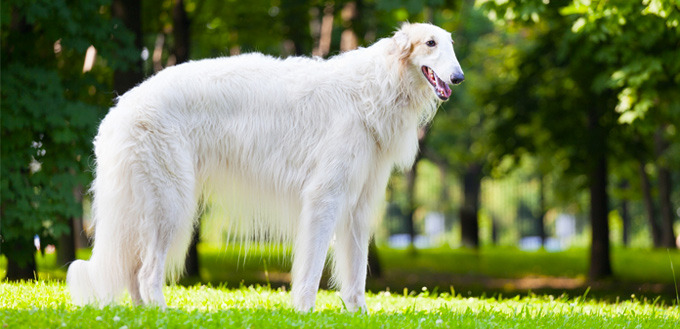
{"points": [[46, 304]]}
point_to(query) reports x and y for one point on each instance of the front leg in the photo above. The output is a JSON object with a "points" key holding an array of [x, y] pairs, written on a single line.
{"points": [[351, 245], [351, 259]]}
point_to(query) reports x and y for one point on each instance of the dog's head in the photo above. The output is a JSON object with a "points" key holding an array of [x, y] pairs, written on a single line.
{"points": [[429, 49]]}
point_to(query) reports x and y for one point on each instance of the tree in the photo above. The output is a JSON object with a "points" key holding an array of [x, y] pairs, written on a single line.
{"points": [[552, 103], [50, 107], [589, 68], [457, 135], [129, 13], [637, 45]]}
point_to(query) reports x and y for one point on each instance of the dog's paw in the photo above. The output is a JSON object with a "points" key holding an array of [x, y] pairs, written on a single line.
{"points": [[303, 301], [361, 309], [355, 303]]}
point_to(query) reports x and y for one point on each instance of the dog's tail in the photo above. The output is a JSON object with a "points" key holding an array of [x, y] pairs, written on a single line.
{"points": [[102, 279], [83, 290], [116, 215]]}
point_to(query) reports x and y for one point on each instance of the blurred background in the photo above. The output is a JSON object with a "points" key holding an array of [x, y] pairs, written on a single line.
{"points": [[553, 168]]}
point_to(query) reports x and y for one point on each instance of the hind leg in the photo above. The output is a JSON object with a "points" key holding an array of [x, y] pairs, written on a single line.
{"points": [[151, 277], [317, 222], [170, 204], [351, 258], [166, 245], [351, 246], [133, 287]]}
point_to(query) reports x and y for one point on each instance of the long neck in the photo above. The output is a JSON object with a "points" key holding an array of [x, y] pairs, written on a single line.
{"points": [[397, 102]]}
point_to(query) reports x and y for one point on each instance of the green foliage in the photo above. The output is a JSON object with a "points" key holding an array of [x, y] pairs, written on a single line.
{"points": [[31, 195], [49, 112], [583, 64], [459, 132], [218, 26], [412, 6], [45, 304], [632, 48], [637, 43]]}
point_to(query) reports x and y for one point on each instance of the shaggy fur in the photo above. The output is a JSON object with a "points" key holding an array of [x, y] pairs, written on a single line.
{"points": [[296, 150]]}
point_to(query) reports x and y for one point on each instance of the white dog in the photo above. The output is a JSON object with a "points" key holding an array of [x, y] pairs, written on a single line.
{"points": [[298, 150]]}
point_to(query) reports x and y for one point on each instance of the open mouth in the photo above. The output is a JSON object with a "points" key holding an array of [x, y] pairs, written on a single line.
{"points": [[441, 88]]}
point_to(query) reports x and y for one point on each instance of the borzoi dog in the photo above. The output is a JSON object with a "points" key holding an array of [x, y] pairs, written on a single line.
{"points": [[298, 150]]}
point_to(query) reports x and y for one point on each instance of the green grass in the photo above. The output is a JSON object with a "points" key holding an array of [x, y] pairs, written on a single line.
{"points": [[487, 272], [45, 304], [634, 265]]}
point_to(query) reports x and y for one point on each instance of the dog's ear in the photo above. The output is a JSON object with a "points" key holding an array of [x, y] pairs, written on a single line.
{"points": [[403, 45]]}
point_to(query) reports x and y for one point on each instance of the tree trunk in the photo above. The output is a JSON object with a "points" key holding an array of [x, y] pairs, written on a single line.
{"points": [[649, 206], [326, 32], [412, 206], [469, 221], [665, 207], [348, 39], [625, 216], [129, 12], [296, 17], [410, 188], [81, 240], [666, 210], [374, 267], [21, 270], [66, 250], [181, 31], [600, 263]]}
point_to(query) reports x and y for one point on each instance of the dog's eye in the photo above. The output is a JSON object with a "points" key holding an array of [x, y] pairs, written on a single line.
{"points": [[431, 43]]}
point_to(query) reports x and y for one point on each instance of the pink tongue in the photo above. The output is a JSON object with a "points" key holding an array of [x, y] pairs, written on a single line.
{"points": [[444, 88]]}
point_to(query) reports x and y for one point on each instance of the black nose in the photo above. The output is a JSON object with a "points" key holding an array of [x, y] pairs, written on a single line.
{"points": [[457, 78]]}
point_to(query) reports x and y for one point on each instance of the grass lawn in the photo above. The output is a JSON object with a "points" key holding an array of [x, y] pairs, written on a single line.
{"points": [[45, 304], [487, 272]]}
